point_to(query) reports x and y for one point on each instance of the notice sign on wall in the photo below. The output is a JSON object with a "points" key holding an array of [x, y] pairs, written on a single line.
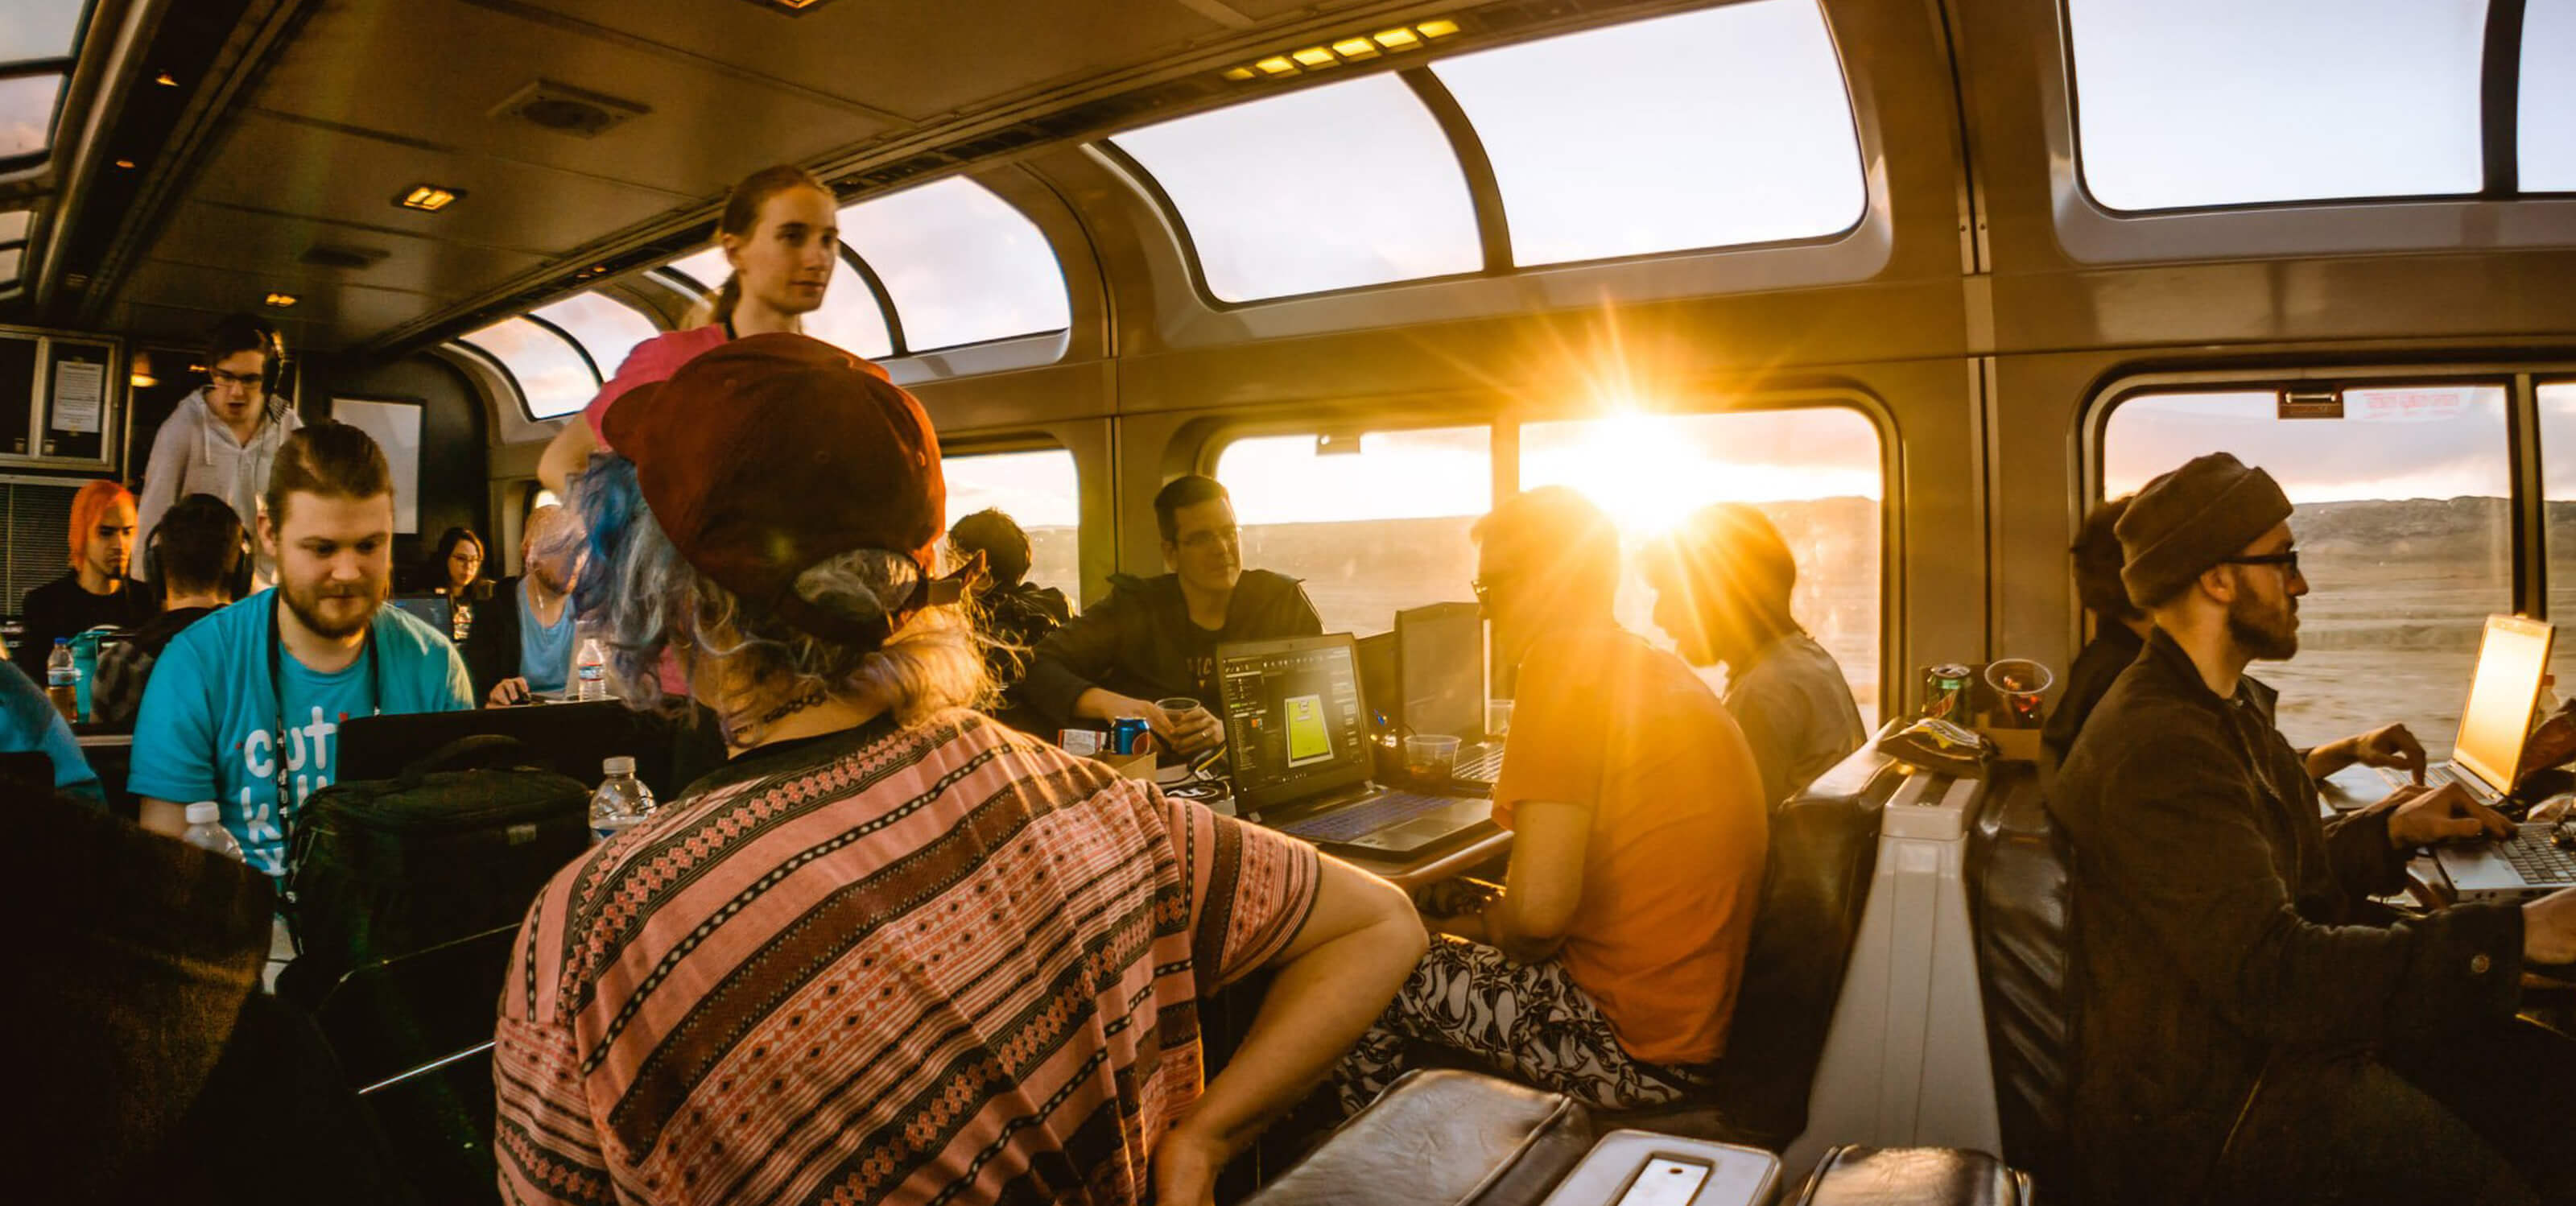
{"points": [[80, 392], [395, 427]]}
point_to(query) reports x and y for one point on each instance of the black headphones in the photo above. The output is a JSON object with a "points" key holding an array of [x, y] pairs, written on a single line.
{"points": [[237, 583], [251, 333]]}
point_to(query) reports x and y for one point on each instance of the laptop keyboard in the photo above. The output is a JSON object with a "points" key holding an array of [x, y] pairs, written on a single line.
{"points": [[2539, 861], [1482, 768], [2435, 776], [1361, 820]]}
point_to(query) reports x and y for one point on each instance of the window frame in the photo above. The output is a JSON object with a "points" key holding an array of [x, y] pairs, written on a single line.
{"points": [[518, 390], [1361, 415], [1475, 167], [2526, 507], [598, 368], [1004, 443], [885, 297]]}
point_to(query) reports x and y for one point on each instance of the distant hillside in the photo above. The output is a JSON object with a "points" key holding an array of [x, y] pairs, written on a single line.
{"points": [[2411, 528]]}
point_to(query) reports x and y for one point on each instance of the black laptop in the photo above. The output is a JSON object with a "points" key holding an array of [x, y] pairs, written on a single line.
{"points": [[1297, 731]]}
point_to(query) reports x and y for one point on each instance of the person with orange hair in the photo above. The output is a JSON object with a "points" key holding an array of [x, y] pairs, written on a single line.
{"points": [[96, 591]]}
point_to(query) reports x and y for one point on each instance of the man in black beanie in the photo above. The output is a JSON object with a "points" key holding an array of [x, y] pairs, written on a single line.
{"points": [[2251, 1026]]}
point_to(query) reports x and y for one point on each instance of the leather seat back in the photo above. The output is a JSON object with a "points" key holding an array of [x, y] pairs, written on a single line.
{"points": [[2021, 883], [1815, 884]]}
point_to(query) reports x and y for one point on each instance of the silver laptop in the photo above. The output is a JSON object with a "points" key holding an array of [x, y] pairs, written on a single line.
{"points": [[2512, 658], [1297, 732], [1440, 662]]}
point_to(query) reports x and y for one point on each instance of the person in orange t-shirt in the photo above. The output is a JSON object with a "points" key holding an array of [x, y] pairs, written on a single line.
{"points": [[1607, 966]]}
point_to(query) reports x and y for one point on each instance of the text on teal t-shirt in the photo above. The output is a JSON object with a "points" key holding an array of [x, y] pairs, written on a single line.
{"points": [[210, 726]]}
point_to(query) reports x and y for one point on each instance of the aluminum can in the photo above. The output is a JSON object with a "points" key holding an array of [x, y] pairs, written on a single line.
{"points": [[1126, 733], [1945, 692]]}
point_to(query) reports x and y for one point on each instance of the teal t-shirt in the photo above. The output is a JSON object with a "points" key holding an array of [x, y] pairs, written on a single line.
{"points": [[209, 729]]}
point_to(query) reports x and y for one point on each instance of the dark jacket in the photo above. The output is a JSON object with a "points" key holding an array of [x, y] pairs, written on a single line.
{"points": [[1013, 620], [2222, 927], [2110, 651], [125, 668], [60, 608], [1140, 642]]}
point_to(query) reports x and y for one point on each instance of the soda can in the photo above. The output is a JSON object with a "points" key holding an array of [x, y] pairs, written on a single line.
{"points": [[1127, 733], [1945, 692]]}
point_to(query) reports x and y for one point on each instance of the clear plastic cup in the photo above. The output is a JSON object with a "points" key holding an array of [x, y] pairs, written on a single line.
{"points": [[1498, 717], [1430, 756], [2019, 684]]}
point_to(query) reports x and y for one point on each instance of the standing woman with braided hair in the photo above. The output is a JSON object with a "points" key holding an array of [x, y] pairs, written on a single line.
{"points": [[780, 232]]}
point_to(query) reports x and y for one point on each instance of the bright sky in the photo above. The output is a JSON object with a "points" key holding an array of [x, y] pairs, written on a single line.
{"points": [[961, 265], [1039, 489], [551, 375], [2416, 442]]}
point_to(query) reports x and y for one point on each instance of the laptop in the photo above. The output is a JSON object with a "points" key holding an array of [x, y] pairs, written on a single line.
{"points": [[433, 610], [1440, 660], [1296, 723], [2513, 655]]}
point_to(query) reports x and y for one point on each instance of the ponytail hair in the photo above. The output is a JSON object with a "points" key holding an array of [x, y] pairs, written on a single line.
{"points": [[742, 215]]}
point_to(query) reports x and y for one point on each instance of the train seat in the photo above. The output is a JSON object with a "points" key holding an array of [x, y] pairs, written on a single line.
{"points": [[1815, 885], [1853, 1175], [2025, 913]]}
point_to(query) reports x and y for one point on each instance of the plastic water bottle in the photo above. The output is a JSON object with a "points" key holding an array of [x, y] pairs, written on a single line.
{"points": [[622, 801], [62, 680], [590, 673], [206, 830]]}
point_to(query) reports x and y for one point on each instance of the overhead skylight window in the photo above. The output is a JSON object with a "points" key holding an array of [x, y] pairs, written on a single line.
{"points": [[14, 224], [960, 264], [39, 29], [9, 261], [606, 328], [2547, 129], [707, 268], [27, 106], [2190, 103], [1723, 126], [553, 379], [1334, 187]]}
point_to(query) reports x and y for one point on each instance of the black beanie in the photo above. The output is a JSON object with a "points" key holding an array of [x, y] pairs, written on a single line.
{"points": [[2191, 519]]}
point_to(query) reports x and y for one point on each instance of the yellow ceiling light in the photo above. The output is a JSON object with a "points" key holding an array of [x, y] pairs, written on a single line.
{"points": [[428, 198], [1277, 65], [1241, 73], [1355, 48], [281, 300], [1315, 56], [1396, 39], [1436, 29], [166, 80]]}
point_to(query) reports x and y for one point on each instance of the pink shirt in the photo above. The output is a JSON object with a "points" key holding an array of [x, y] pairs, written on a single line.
{"points": [[657, 359]]}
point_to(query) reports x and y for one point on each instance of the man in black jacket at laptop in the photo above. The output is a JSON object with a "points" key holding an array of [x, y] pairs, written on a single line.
{"points": [[1156, 638], [2252, 1027]]}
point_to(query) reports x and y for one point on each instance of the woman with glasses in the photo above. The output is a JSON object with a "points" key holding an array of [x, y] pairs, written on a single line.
{"points": [[223, 438]]}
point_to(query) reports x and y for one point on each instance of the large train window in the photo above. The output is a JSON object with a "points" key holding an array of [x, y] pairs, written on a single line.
{"points": [[606, 329], [1372, 521], [2185, 103], [1333, 187], [2546, 128], [960, 264], [1641, 139], [2402, 511], [1041, 491], [554, 378], [1817, 472]]}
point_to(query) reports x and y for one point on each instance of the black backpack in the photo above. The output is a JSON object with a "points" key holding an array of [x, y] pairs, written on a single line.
{"points": [[460, 843]]}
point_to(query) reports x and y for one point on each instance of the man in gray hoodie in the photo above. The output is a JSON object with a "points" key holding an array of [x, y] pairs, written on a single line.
{"points": [[223, 438]]}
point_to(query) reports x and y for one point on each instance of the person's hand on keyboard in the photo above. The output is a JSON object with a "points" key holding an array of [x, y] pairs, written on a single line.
{"points": [[2424, 816]]}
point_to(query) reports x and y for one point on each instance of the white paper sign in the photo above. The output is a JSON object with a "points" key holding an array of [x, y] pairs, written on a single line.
{"points": [[79, 385], [396, 429]]}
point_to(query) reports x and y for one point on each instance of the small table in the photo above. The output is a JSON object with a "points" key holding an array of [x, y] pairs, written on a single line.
{"points": [[1435, 866]]}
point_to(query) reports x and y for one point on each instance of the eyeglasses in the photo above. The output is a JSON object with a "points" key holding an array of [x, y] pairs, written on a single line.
{"points": [[2289, 562], [237, 380]]}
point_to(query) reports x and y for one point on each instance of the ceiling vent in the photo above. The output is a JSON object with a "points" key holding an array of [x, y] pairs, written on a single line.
{"points": [[324, 255], [565, 109]]}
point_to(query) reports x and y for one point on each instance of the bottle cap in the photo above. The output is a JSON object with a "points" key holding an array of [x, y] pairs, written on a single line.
{"points": [[62, 640], [618, 766], [205, 812]]}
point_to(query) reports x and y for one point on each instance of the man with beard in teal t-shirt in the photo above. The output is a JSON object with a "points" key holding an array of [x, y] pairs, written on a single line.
{"points": [[245, 706]]}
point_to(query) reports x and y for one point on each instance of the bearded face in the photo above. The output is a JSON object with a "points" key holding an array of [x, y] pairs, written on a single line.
{"points": [[334, 561], [2264, 618]]}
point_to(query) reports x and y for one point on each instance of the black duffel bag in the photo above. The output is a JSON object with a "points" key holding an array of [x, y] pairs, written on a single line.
{"points": [[460, 843]]}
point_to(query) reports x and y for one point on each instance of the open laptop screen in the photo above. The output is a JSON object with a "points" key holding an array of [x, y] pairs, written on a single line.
{"points": [[1441, 652], [2511, 659], [1294, 720], [432, 610]]}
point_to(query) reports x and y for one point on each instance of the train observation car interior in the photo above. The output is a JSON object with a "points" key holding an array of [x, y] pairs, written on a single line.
{"points": [[1914, 287]]}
